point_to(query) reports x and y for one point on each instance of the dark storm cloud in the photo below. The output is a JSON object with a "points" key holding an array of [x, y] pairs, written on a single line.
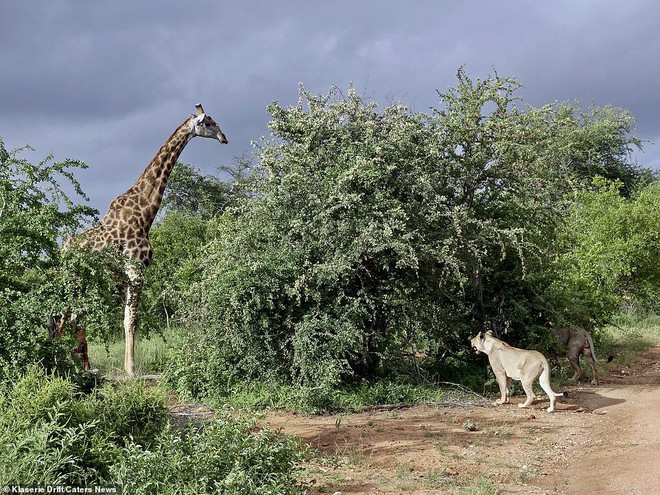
{"points": [[108, 82]]}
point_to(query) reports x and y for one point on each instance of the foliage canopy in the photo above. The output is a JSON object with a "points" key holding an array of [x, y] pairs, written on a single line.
{"points": [[373, 235]]}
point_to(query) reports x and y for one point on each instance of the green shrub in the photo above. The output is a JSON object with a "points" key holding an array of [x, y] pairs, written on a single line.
{"points": [[130, 412], [50, 433], [197, 369], [226, 456], [120, 435]]}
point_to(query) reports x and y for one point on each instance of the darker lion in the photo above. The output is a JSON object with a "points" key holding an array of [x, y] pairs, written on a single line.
{"points": [[578, 342]]}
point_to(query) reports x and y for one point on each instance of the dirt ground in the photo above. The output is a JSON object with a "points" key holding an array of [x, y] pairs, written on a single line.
{"points": [[603, 439]]}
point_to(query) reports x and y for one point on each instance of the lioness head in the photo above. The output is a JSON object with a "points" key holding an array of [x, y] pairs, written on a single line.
{"points": [[478, 342]]}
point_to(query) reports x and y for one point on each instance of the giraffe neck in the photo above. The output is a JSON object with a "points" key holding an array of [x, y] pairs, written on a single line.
{"points": [[147, 192]]}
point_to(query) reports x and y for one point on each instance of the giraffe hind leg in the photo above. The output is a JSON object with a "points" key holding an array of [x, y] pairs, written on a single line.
{"points": [[81, 338]]}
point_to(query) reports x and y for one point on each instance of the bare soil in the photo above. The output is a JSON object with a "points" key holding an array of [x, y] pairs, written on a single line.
{"points": [[603, 439]]}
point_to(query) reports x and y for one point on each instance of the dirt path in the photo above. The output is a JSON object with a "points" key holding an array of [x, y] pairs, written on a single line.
{"points": [[622, 452], [603, 439]]}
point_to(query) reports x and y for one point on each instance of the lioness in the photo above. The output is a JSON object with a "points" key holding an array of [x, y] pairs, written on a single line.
{"points": [[578, 341], [520, 364]]}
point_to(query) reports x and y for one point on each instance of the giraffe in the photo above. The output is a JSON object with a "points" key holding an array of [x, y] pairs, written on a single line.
{"points": [[127, 223]]}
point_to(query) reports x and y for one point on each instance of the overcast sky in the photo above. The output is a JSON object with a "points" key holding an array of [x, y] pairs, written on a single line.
{"points": [[108, 82]]}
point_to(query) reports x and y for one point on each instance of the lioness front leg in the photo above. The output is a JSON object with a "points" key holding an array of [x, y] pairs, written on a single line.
{"points": [[504, 383]]}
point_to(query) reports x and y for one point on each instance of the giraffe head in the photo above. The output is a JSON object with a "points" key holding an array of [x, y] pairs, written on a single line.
{"points": [[203, 125]]}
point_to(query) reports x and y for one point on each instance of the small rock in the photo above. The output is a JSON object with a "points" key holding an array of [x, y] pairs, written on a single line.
{"points": [[450, 471]]}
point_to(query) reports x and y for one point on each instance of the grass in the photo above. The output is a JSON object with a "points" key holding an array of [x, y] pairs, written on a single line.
{"points": [[405, 476], [631, 333], [480, 486], [149, 355], [628, 335], [436, 478]]}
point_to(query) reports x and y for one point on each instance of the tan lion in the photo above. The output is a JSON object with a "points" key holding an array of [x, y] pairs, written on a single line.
{"points": [[518, 364], [578, 342]]}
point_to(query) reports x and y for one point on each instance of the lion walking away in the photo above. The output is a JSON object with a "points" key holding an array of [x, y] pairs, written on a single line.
{"points": [[578, 342]]}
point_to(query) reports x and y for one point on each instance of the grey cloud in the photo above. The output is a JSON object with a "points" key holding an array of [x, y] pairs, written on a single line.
{"points": [[108, 82]]}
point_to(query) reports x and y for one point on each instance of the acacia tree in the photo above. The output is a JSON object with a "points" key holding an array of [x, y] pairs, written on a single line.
{"points": [[372, 234]]}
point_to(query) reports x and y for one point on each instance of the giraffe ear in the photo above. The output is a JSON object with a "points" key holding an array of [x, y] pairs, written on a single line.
{"points": [[200, 109]]}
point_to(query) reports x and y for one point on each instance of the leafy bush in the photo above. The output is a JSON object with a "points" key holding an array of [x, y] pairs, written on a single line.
{"points": [[120, 435], [45, 421], [224, 457], [196, 369], [36, 282], [375, 234], [608, 254]]}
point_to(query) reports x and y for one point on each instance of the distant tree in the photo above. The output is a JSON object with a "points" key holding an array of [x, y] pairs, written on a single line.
{"points": [[189, 191], [177, 241], [191, 200], [610, 247]]}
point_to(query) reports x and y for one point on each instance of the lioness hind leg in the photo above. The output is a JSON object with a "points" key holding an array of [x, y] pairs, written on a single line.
{"points": [[586, 352], [574, 359], [544, 381], [529, 391]]}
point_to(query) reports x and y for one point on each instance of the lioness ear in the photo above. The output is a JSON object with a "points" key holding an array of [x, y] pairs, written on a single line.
{"points": [[482, 335], [489, 332]]}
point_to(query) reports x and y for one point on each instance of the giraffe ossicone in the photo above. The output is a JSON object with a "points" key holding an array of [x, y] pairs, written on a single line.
{"points": [[129, 218]]}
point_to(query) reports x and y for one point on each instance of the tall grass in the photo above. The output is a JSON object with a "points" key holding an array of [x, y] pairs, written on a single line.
{"points": [[638, 329], [149, 355]]}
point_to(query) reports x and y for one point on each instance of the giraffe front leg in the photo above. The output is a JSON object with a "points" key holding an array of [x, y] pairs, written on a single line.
{"points": [[130, 318], [129, 334]]}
